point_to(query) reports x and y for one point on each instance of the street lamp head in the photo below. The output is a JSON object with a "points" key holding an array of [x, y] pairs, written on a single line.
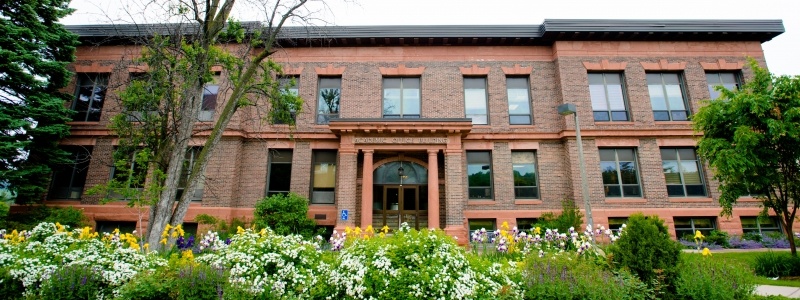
{"points": [[566, 109]]}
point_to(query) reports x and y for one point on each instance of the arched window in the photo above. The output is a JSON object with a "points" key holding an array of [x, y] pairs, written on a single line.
{"points": [[388, 173]]}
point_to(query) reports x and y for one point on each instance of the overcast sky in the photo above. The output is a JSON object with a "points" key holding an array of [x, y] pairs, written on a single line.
{"points": [[782, 52]]}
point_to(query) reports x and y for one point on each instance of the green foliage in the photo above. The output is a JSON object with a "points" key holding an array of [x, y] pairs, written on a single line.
{"points": [[73, 282], [719, 237], [708, 278], [10, 287], [776, 264], [646, 249], [570, 216], [751, 140], [26, 220], [562, 277], [284, 214], [223, 228], [752, 236], [35, 50], [199, 282], [149, 285]]}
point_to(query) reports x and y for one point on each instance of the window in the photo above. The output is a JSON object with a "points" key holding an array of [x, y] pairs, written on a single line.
{"points": [[620, 178], [524, 168], [280, 172], [475, 105], [760, 224], [284, 112], [69, 179], [479, 174], [401, 98], [666, 97], [682, 172], [188, 163], [129, 175], [323, 188], [478, 224], [615, 223], [686, 227], [730, 80], [209, 105], [189, 229], [90, 95], [140, 112], [519, 101], [526, 224], [110, 226], [330, 91], [608, 98]]}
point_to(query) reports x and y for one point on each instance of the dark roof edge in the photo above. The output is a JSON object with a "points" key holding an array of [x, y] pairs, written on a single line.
{"points": [[547, 32]]}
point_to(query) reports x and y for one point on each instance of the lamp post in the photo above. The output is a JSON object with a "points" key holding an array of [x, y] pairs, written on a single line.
{"points": [[569, 109]]}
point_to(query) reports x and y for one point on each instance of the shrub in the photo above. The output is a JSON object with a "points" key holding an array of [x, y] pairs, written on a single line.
{"points": [[149, 285], [223, 228], [73, 282], [775, 240], [562, 277], [26, 220], [719, 238], [708, 278], [752, 236], [285, 214], [775, 264], [199, 282], [10, 288], [742, 243], [570, 216], [646, 249]]}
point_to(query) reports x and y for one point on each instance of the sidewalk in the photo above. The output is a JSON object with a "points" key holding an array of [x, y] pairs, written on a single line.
{"points": [[772, 290]]}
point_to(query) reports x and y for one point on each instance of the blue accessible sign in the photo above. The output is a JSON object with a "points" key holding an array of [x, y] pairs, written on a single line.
{"points": [[344, 215]]}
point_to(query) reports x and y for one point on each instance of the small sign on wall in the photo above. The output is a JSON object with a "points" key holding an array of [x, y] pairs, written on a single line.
{"points": [[345, 214]]}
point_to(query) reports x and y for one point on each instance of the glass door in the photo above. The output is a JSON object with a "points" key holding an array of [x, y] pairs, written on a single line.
{"points": [[395, 204]]}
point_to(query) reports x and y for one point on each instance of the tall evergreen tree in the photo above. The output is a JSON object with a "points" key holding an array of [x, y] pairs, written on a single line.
{"points": [[34, 52]]}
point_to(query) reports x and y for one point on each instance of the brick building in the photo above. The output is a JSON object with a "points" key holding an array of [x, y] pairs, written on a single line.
{"points": [[456, 127]]}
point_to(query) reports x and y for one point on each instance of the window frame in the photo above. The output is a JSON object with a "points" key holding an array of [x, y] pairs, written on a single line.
{"points": [[530, 223], [485, 103], [325, 117], [684, 97], [489, 231], [527, 90], [95, 79], [705, 230], [272, 161], [617, 225], [401, 115], [189, 159], [535, 185], [609, 111], [620, 183], [760, 229], [678, 160], [80, 160], [316, 160], [737, 77], [488, 190], [288, 84], [133, 173]]}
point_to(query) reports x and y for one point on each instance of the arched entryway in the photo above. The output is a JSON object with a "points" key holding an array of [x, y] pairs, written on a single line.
{"points": [[400, 194]]}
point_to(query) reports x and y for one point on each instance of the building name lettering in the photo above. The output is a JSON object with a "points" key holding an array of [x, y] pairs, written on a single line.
{"points": [[399, 140]]}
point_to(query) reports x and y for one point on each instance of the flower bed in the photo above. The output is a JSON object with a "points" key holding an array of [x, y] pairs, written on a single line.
{"points": [[55, 261]]}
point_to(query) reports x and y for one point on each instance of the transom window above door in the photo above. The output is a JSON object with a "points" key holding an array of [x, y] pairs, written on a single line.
{"points": [[401, 98]]}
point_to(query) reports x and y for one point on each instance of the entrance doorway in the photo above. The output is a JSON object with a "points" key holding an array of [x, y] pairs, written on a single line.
{"points": [[394, 204]]}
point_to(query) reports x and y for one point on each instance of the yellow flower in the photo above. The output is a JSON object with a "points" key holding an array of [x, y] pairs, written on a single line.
{"points": [[146, 246], [116, 230], [382, 234], [134, 245], [699, 235], [370, 229], [504, 226], [164, 241], [179, 228], [385, 229], [706, 252], [263, 232], [174, 234], [187, 254], [347, 230], [357, 231], [59, 227], [239, 230], [366, 237], [537, 230]]}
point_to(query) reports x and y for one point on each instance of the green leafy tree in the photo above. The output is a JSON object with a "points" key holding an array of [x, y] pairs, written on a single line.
{"points": [[162, 105], [34, 52], [751, 139], [285, 214]]}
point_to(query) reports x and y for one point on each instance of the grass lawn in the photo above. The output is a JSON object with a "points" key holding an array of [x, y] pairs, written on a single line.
{"points": [[747, 258]]}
